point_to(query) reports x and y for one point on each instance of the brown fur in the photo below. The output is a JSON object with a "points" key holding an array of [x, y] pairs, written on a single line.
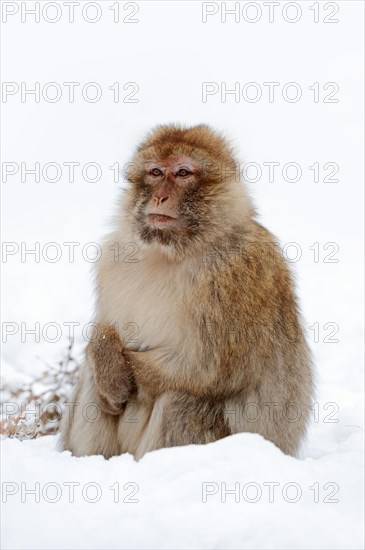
{"points": [[115, 381], [218, 326]]}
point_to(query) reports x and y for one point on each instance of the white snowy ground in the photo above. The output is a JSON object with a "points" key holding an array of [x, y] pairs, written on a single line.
{"points": [[182, 498], [180, 494]]}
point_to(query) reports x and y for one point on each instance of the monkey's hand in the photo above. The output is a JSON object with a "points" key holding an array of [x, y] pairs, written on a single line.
{"points": [[112, 373], [152, 373]]}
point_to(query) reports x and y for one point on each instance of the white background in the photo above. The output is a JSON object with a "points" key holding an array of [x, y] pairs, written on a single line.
{"points": [[169, 53]]}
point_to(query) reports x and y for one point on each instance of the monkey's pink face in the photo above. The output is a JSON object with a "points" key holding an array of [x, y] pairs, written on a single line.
{"points": [[168, 181], [167, 193]]}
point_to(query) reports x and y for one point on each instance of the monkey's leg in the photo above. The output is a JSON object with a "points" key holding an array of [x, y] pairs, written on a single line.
{"points": [[182, 419], [85, 428], [279, 419], [188, 419]]}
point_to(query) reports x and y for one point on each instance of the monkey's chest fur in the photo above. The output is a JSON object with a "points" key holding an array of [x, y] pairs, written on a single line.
{"points": [[149, 305], [144, 303]]}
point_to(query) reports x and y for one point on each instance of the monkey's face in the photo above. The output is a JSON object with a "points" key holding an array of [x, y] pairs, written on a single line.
{"points": [[167, 187], [181, 191], [169, 206]]}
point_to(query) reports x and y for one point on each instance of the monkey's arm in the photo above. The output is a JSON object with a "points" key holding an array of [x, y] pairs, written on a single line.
{"points": [[156, 372], [113, 376]]}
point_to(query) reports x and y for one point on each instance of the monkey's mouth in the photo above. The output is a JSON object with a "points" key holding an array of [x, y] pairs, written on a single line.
{"points": [[160, 219], [164, 229]]}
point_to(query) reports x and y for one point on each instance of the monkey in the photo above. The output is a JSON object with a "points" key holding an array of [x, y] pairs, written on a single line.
{"points": [[220, 345]]}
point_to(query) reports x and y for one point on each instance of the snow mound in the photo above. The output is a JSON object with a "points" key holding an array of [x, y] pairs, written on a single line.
{"points": [[239, 492]]}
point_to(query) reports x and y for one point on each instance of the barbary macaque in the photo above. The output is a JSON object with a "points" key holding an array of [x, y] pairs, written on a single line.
{"points": [[217, 345]]}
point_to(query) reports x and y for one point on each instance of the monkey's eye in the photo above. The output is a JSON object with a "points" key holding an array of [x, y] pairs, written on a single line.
{"points": [[183, 172], [156, 172]]}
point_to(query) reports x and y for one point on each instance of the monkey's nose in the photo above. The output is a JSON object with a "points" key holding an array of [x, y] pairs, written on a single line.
{"points": [[160, 199]]}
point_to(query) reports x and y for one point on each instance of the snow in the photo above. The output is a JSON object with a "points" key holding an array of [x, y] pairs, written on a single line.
{"points": [[240, 492], [169, 53]]}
